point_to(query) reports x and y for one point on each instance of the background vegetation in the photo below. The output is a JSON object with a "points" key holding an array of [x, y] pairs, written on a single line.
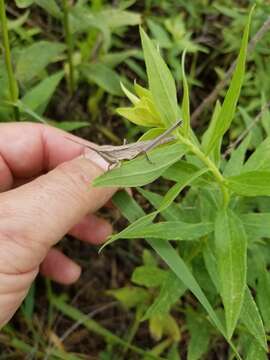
{"points": [[62, 63]]}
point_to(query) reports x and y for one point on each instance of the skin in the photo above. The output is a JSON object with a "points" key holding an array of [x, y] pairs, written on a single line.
{"points": [[45, 193]]}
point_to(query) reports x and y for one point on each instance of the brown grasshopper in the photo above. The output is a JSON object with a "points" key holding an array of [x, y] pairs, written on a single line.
{"points": [[114, 154]]}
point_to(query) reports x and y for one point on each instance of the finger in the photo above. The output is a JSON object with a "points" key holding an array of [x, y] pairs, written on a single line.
{"points": [[60, 268], [92, 229], [6, 178], [38, 214], [30, 149]]}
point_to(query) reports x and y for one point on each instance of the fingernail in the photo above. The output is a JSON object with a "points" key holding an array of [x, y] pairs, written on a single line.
{"points": [[96, 159]]}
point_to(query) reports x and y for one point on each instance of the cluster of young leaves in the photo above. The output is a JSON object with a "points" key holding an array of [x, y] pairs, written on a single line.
{"points": [[221, 232]]}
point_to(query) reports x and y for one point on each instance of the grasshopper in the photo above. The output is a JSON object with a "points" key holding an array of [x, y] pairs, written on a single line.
{"points": [[114, 154]]}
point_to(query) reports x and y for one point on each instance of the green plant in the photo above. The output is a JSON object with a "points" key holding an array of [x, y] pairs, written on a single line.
{"points": [[88, 31], [13, 87], [217, 239], [209, 204]]}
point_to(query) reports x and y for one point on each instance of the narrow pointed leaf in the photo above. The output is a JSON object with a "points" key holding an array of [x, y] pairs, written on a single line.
{"points": [[231, 249], [209, 134], [253, 183], [236, 161], [250, 316], [260, 159], [185, 102], [39, 96], [140, 171], [169, 230], [257, 225], [229, 105], [161, 82], [174, 261]]}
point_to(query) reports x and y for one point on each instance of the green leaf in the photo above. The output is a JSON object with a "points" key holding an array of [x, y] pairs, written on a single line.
{"points": [[199, 331], [254, 130], [159, 33], [256, 352], [182, 171], [253, 183], [132, 98], [209, 133], [139, 115], [139, 172], [172, 213], [228, 108], [188, 231], [257, 225], [35, 58], [149, 258], [260, 159], [161, 82], [172, 289], [130, 297], [250, 316], [169, 230], [18, 23], [236, 161], [31, 114], [164, 325], [102, 76], [266, 115], [173, 260], [29, 303], [152, 133], [82, 20], [130, 209], [149, 276], [69, 125], [211, 263], [175, 190], [22, 4], [38, 97], [231, 253], [115, 58], [179, 267], [115, 18], [185, 102], [173, 354], [138, 224], [263, 296], [50, 6]]}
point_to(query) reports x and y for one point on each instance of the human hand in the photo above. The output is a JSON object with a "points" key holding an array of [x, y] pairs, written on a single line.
{"points": [[46, 192]]}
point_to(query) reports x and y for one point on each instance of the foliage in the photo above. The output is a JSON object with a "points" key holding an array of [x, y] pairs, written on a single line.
{"points": [[203, 276]]}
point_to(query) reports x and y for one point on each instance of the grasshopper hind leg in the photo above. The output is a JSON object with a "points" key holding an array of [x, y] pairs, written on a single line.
{"points": [[148, 158]]}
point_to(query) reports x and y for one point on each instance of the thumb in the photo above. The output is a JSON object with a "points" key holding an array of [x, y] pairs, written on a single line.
{"points": [[37, 215]]}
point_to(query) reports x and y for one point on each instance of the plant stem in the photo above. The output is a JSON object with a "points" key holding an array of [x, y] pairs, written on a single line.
{"points": [[69, 43], [13, 87], [211, 166]]}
